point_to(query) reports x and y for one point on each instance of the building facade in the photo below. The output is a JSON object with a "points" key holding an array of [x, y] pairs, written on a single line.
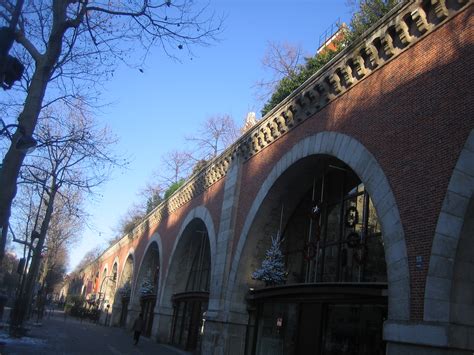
{"points": [[366, 172]]}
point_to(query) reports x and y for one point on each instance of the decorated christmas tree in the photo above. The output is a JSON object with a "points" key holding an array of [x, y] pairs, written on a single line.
{"points": [[126, 289], [272, 271], [147, 288]]}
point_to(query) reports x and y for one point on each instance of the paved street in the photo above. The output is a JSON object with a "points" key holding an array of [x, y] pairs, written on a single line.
{"points": [[58, 335]]}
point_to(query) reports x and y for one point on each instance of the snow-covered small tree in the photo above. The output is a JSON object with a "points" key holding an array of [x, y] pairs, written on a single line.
{"points": [[147, 288], [272, 271], [126, 289]]}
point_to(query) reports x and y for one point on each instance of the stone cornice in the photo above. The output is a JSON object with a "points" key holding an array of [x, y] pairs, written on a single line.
{"points": [[387, 39]]}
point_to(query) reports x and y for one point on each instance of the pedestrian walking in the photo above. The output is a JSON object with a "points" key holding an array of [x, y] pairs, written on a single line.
{"points": [[137, 328]]}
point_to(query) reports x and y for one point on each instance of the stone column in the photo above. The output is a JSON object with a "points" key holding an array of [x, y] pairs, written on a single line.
{"points": [[116, 312], [162, 321], [132, 314], [420, 338], [218, 330]]}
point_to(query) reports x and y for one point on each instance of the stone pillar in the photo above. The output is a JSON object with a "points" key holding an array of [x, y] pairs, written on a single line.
{"points": [[225, 336], [132, 314], [420, 338], [162, 321], [116, 313], [219, 332]]}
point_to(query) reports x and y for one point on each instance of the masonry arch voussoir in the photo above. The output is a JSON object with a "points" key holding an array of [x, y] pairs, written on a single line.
{"points": [[154, 240], [363, 163], [174, 278], [116, 262], [105, 270], [131, 255], [203, 214], [445, 249]]}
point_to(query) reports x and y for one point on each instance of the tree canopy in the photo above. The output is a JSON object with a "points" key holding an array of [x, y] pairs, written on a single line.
{"points": [[365, 13], [69, 46]]}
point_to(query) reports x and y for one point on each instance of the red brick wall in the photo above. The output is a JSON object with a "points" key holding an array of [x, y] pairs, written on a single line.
{"points": [[168, 230], [414, 115]]}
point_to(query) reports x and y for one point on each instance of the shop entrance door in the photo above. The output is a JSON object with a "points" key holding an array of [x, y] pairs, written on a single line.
{"points": [[123, 314], [148, 305], [309, 325]]}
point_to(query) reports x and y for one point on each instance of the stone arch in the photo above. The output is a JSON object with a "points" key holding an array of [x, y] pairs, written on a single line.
{"points": [[203, 214], [363, 163], [112, 282], [105, 270], [116, 262], [103, 285], [154, 240], [449, 279], [130, 256], [199, 217], [150, 270], [122, 296], [102, 276]]}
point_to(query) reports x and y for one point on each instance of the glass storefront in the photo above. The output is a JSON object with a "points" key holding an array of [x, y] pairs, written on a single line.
{"points": [[333, 320], [334, 300], [147, 304], [124, 311], [190, 306]]}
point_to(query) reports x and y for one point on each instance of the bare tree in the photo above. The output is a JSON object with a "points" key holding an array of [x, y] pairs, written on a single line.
{"points": [[175, 166], [215, 134], [128, 221], [89, 258], [63, 231], [280, 60], [68, 46], [152, 194], [74, 158]]}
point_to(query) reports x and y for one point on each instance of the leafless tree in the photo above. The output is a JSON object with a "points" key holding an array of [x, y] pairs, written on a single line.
{"points": [[89, 258], [74, 157], [152, 195], [215, 134], [69, 46], [280, 60], [128, 221], [175, 166], [63, 231]]}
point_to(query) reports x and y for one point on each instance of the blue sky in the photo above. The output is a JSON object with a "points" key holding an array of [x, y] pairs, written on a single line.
{"points": [[152, 112]]}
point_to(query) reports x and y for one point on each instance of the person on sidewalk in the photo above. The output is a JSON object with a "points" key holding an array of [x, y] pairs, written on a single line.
{"points": [[137, 328]]}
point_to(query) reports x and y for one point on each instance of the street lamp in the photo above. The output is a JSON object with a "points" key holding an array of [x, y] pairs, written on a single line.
{"points": [[25, 143]]}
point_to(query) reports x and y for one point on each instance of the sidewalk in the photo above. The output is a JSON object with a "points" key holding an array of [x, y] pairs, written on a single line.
{"points": [[59, 335]]}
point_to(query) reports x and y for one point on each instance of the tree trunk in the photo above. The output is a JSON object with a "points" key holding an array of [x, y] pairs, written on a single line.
{"points": [[27, 120], [23, 303]]}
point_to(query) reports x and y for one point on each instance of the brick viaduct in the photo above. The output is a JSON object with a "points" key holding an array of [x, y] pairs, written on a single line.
{"points": [[396, 109]]}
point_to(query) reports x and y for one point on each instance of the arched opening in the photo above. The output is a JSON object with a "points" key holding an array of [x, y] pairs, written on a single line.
{"points": [[103, 289], [124, 290], [188, 286], [147, 286], [333, 299], [462, 292]]}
